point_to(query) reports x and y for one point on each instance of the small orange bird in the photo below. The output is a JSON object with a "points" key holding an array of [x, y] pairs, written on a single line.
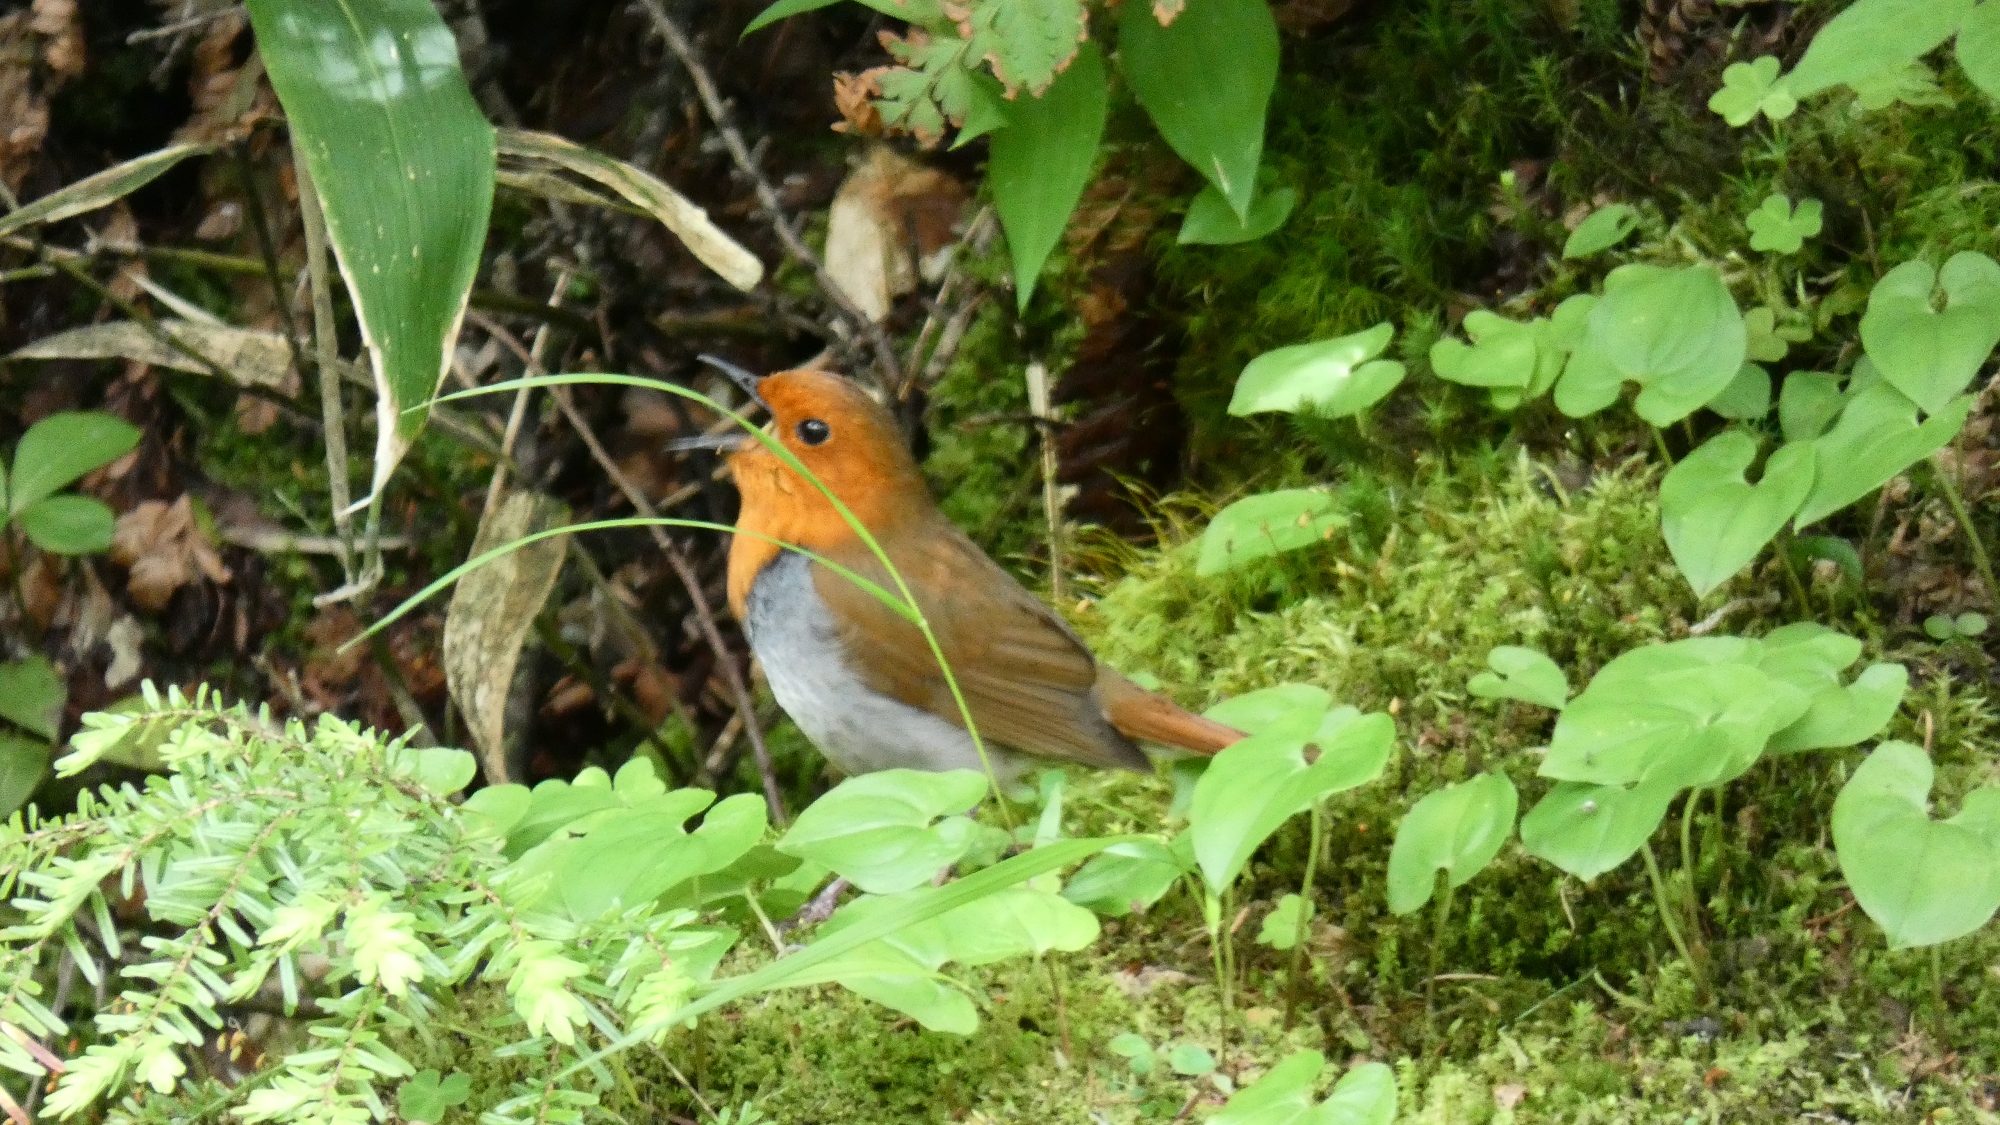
{"points": [[856, 676]]}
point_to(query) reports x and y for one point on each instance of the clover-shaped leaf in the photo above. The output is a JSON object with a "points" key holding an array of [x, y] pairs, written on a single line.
{"points": [[1765, 344], [1523, 674], [1335, 377], [1776, 226], [1281, 926], [424, 1096], [1714, 521], [1457, 830], [1267, 524], [1923, 881], [1751, 88], [1675, 332], [1606, 227], [1876, 437], [877, 829], [1928, 354]]}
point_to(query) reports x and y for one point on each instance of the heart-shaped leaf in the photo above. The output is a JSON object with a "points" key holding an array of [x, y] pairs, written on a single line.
{"points": [[1751, 88], [1457, 830], [1673, 718], [1715, 522], [1912, 84], [1808, 403], [1606, 227], [1336, 377], [1846, 715], [1871, 37], [1281, 926], [1928, 355], [1206, 80], [1876, 437], [1978, 48], [1523, 674], [1675, 332], [1124, 878], [1502, 353], [1041, 161], [877, 829], [1923, 881], [1587, 830], [1776, 226], [1210, 222], [1254, 786], [1267, 524], [1747, 397]]}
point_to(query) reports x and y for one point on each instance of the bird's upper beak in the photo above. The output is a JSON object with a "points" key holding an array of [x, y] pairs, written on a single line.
{"points": [[728, 441]]}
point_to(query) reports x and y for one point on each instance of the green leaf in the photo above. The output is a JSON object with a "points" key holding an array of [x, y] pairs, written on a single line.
{"points": [[1254, 786], [877, 829], [1026, 41], [498, 808], [1747, 397], [1125, 878], [1675, 332], [1876, 437], [1929, 355], [1041, 162], [1978, 48], [1210, 222], [1846, 715], [1969, 624], [1503, 353], [403, 163], [1751, 88], [99, 189], [1776, 227], [1912, 84], [1523, 674], [1871, 37], [1334, 377], [1457, 830], [784, 9], [1190, 1060], [1715, 522], [1689, 726], [425, 1097], [23, 761], [1206, 80], [1606, 227], [1808, 403], [32, 694], [1764, 344], [1587, 830], [1281, 926], [1923, 881], [68, 525], [1365, 1095], [1267, 524], [62, 447], [1135, 1049]]}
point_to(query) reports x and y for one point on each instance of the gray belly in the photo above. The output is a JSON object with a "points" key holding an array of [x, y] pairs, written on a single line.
{"points": [[858, 729]]}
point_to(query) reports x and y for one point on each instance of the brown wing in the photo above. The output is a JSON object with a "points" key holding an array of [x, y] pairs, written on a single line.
{"points": [[1028, 681]]}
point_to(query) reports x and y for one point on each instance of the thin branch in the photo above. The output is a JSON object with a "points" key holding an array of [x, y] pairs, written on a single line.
{"points": [[915, 370], [889, 372], [520, 411]]}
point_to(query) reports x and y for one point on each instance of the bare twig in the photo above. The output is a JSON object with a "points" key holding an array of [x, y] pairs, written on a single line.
{"points": [[915, 369], [1038, 401], [179, 26], [327, 347], [889, 373], [520, 411]]}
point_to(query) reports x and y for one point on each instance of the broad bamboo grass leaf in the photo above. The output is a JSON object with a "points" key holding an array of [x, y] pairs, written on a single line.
{"points": [[1041, 162], [250, 357], [1206, 80], [903, 602], [652, 195], [100, 189], [403, 162], [1923, 881], [922, 13]]}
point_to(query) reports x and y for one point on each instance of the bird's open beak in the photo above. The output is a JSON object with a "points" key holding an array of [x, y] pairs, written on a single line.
{"points": [[731, 440]]}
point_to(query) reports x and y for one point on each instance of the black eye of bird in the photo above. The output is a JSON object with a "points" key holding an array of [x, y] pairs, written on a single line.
{"points": [[812, 431]]}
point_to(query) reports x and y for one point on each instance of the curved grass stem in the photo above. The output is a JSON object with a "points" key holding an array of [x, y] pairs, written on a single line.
{"points": [[1668, 920], [1948, 481]]}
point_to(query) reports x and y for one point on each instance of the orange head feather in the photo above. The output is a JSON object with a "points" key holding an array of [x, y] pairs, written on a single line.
{"points": [[850, 443]]}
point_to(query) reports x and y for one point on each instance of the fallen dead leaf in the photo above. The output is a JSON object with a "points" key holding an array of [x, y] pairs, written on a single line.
{"points": [[24, 106], [1136, 983], [892, 221], [326, 665], [160, 544], [1510, 1095], [124, 637], [63, 49]]}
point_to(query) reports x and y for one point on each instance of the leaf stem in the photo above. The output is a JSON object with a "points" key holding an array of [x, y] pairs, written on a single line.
{"points": [[327, 367], [1294, 978], [1699, 970], [1438, 921], [1947, 480]]}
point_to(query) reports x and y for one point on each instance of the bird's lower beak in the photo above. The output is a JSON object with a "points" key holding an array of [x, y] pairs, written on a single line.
{"points": [[728, 441]]}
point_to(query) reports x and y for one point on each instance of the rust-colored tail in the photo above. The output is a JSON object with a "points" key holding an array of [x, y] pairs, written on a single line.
{"points": [[1141, 715]]}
